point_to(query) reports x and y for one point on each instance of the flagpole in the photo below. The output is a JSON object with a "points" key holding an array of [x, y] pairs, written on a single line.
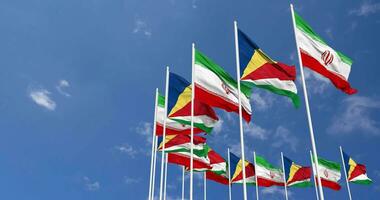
{"points": [[307, 107], [192, 120], [152, 153], [240, 110], [345, 172], [183, 182], [154, 166], [164, 132], [284, 175], [257, 183], [229, 175], [204, 186], [315, 182], [166, 175]]}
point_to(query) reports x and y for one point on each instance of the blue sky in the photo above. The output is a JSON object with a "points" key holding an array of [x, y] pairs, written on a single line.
{"points": [[77, 88]]}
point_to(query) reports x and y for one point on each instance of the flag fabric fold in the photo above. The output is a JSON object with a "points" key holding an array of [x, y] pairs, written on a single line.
{"points": [[259, 70], [172, 127], [296, 175], [317, 55], [215, 87], [179, 105], [267, 174], [356, 173]]}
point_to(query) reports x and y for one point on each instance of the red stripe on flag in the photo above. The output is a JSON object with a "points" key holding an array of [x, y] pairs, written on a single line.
{"points": [[273, 70], [302, 174], [217, 178], [329, 184], [180, 159], [339, 82], [214, 100], [171, 131], [359, 170], [267, 183]]}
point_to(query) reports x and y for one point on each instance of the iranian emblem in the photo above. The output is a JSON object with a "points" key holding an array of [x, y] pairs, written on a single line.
{"points": [[225, 88], [271, 174], [327, 57], [326, 173]]}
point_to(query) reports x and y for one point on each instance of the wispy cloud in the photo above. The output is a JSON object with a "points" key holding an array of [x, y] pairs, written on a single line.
{"points": [[194, 4], [329, 33], [316, 83], [355, 114], [91, 185], [284, 137], [366, 8], [62, 85], [256, 131], [262, 100], [42, 98], [145, 129], [127, 149], [218, 126], [275, 191], [142, 28], [130, 180]]}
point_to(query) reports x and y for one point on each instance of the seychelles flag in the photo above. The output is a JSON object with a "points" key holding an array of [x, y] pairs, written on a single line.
{"points": [[259, 70], [237, 170], [356, 173], [296, 175]]}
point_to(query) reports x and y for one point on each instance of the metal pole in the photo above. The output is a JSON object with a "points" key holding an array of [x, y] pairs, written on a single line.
{"points": [[314, 147], [192, 121], [284, 175], [164, 133], [183, 183], [315, 181], [229, 175], [257, 183], [166, 175], [154, 166], [204, 186], [240, 110], [153, 147], [345, 173]]}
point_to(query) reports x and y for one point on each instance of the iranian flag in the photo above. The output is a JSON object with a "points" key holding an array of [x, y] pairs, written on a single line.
{"points": [[330, 173], [321, 58], [267, 174], [217, 88], [172, 127], [182, 143]]}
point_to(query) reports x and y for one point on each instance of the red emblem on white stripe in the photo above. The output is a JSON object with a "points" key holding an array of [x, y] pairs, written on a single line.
{"points": [[327, 57], [225, 88]]}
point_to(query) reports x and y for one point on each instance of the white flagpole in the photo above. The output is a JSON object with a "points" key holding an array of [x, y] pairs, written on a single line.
{"points": [[284, 175], [315, 182], [183, 182], [307, 107], [240, 110], [164, 133], [192, 120], [229, 175], [153, 149], [345, 173], [166, 175], [154, 166], [204, 186], [257, 183]]}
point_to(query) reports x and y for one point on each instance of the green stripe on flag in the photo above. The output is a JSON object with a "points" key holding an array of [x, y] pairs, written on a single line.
{"points": [[262, 162], [161, 101], [207, 63], [302, 184], [362, 182], [197, 125], [329, 164]]}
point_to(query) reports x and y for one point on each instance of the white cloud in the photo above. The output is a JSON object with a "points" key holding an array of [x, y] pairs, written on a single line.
{"points": [[366, 8], [261, 101], [356, 116], [127, 149], [91, 185], [256, 131], [194, 4], [62, 84], [142, 27], [274, 191], [218, 127], [41, 97], [145, 129], [129, 180], [329, 33], [316, 83], [283, 137]]}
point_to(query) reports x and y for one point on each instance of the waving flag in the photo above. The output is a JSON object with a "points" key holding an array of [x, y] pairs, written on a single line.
{"points": [[321, 58], [179, 105], [172, 127], [217, 88], [237, 170], [330, 173], [259, 70], [182, 143], [296, 175], [356, 173], [267, 175]]}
